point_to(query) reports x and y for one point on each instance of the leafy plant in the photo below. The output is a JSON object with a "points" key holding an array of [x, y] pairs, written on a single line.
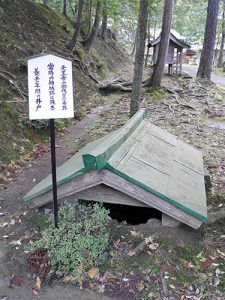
{"points": [[82, 235], [35, 124], [39, 221], [60, 124]]}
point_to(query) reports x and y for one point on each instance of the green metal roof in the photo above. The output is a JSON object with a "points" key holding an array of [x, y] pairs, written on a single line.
{"points": [[145, 155]]}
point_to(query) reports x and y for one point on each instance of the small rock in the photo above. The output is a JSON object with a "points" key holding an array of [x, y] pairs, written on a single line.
{"points": [[197, 292]]}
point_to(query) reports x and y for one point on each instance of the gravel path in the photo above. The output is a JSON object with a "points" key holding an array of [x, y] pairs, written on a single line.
{"points": [[192, 70]]}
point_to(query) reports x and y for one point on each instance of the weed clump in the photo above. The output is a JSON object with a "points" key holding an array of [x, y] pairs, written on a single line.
{"points": [[82, 235]]}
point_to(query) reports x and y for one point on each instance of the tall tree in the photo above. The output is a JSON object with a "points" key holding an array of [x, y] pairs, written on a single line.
{"points": [[78, 25], [139, 57], [156, 78], [91, 38], [206, 60], [71, 8], [220, 59], [65, 8], [148, 38], [87, 18], [104, 20]]}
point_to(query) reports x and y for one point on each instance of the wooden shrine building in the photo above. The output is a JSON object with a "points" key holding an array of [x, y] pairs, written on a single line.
{"points": [[139, 164], [174, 55]]}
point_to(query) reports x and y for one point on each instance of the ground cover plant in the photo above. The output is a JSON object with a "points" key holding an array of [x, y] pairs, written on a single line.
{"points": [[72, 248]]}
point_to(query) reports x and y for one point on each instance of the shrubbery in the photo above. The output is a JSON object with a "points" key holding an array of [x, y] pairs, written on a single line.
{"points": [[82, 235]]}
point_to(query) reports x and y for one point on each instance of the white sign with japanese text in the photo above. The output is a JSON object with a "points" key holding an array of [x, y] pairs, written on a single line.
{"points": [[50, 87]]}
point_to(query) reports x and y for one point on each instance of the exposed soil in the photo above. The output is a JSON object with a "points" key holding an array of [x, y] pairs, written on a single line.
{"points": [[173, 263], [187, 257], [27, 29]]}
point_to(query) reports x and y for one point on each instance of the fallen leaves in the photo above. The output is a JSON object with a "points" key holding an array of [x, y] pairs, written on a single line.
{"points": [[8, 171], [206, 270], [147, 242], [135, 233], [11, 170], [140, 286], [206, 264], [15, 281], [37, 286], [93, 273], [15, 243], [153, 246], [131, 253], [67, 278], [221, 254], [216, 281], [39, 262]]}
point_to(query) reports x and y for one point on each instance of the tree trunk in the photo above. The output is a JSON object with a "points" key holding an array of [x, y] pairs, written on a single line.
{"points": [[104, 20], [220, 59], [75, 15], [139, 56], [89, 21], [206, 60], [71, 7], [78, 25], [45, 2], [155, 27], [149, 40], [158, 69], [65, 8], [87, 18], [91, 38]]}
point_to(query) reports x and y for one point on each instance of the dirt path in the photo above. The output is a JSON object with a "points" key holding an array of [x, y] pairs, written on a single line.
{"points": [[41, 167], [183, 115], [12, 260], [192, 70]]}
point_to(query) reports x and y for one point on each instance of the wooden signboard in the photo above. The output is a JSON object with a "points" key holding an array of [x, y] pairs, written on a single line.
{"points": [[50, 90], [50, 87]]}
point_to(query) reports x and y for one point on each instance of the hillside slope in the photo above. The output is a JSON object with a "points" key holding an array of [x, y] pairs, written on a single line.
{"points": [[27, 29]]}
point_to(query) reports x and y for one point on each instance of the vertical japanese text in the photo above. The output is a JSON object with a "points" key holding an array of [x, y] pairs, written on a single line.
{"points": [[37, 88], [64, 87], [51, 86]]}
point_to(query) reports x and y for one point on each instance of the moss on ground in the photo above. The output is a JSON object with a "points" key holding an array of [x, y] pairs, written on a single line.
{"points": [[98, 63], [216, 198], [54, 19]]}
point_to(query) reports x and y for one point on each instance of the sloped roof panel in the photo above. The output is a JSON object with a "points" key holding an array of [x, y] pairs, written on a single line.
{"points": [[147, 156]]}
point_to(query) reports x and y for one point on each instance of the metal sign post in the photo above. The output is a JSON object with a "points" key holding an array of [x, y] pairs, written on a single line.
{"points": [[54, 182], [50, 88]]}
